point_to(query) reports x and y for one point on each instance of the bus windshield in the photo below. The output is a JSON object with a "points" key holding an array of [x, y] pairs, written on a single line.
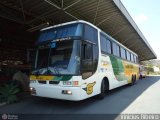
{"points": [[60, 58]]}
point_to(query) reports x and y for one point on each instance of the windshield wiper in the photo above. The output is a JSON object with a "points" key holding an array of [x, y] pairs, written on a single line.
{"points": [[37, 73], [56, 70]]}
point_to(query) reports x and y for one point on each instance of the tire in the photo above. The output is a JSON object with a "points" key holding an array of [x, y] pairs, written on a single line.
{"points": [[140, 77], [103, 90], [133, 80]]}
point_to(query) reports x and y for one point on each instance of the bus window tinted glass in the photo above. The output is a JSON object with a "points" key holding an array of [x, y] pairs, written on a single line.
{"points": [[90, 34], [132, 59], [123, 53], [87, 51], [61, 32], [103, 44], [108, 46], [118, 54], [128, 56], [115, 49], [135, 59]]}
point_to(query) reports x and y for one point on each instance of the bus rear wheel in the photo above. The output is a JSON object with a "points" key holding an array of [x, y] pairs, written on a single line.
{"points": [[133, 80]]}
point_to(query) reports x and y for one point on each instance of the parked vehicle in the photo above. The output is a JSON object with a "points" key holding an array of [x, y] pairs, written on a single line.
{"points": [[142, 71], [77, 60]]}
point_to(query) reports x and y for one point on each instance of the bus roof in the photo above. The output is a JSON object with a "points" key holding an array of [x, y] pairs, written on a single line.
{"points": [[82, 21]]}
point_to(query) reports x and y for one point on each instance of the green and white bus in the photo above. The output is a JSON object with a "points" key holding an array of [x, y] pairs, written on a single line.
{"points": [[77, 60]]}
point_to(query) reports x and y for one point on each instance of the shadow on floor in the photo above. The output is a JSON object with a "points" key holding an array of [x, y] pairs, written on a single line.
{"points": [[113, 104]]}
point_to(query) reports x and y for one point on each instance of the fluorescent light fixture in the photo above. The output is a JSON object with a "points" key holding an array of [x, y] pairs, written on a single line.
{"points": [[41, 26]]}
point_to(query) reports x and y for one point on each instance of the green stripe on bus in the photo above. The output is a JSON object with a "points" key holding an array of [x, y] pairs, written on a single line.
{"points": [[62, 78], [118, 68]]}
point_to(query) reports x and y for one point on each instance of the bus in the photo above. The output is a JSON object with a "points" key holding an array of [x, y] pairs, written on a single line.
{"points": [[142, 72], [76, 60]]}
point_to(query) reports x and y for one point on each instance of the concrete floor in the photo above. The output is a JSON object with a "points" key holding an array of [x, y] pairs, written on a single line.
{"points": [[143, 97]]}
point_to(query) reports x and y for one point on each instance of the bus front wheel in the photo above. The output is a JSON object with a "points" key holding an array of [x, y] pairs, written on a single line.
{"points": [[102, 93]]}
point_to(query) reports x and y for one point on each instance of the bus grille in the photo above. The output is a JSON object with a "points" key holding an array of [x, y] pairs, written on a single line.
{"points": [[42, 82], [54, 82]]}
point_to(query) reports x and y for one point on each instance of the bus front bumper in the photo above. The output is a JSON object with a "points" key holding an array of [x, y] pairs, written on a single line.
{"points": [[57, 92]]}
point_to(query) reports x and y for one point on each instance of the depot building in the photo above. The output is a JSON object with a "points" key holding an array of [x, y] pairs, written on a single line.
{"points": [[21, 22]]}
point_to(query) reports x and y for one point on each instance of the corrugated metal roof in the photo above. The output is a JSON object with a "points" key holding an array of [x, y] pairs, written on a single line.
{"points": [[109, 15]]}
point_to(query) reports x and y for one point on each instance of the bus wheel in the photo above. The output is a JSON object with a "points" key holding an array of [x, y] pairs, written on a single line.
{"points": [[140, 77], [133, 80], [103, 93]]}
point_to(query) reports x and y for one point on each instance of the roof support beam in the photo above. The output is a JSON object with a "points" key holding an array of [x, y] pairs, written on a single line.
{"points": [[113, 27], [141, 55], [106, 19], [24, 17], [14, 8], [71, 15], [121, 29], [121, 7], [46, 14], [71, 5], [96, 12], [133, 44], [11, 15], [140, 51], [54, 5], [128, 38], [43, 16], [62, 4], [138, 48]]}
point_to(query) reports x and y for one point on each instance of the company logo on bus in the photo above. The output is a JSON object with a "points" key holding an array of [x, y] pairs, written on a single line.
{"points": [[89, 88]]}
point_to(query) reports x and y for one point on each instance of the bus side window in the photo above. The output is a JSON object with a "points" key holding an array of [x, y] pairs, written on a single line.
{"points": [[87, 51], [123, 53], [135, 60], [87, 60], [128, 56], [132, 59]]}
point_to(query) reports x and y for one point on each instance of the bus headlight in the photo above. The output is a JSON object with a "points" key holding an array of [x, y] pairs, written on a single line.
{"points": [[69, 92], [33, 91]]}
